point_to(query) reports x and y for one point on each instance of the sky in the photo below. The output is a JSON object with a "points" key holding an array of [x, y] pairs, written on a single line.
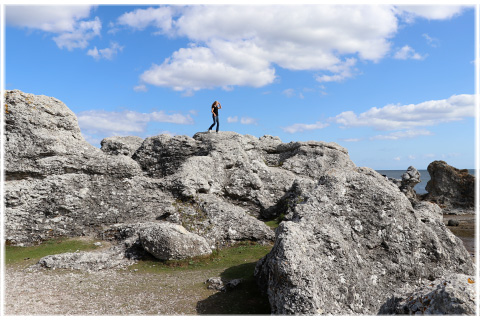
{"points": [[394, 85]]}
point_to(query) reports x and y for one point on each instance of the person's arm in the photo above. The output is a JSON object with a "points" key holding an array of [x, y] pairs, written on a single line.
{"points": [[213, 109], [220, 106]]}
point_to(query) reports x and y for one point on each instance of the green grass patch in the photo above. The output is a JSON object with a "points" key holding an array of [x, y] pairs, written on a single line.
{"points": [[275, 222], [30, 255], [239, 254]]}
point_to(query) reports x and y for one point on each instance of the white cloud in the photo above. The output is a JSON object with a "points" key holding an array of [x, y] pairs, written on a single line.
{"points": [[237, 46], [64, 21], [107, 53], [300, 127], [248, 120], [232, 119], [79, 37], [407, 52], [140, 19], [408, 134], [431, 12], [140, 88], [289, 92], [199, 68], [396, 158], [56, 19], [433, 42], [124, 122], [351, 140], [395, 117]]}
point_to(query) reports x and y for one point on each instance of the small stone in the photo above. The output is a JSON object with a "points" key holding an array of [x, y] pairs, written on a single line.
{"points": [[453, 223]]}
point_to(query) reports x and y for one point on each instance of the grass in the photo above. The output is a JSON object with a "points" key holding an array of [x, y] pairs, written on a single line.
{"points": [[275, 222], [239, 254], [24, 256]]}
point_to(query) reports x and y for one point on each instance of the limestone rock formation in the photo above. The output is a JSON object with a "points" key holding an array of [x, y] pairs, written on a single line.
{"points": [[450, 187], [408, 182], [453, 294], [121, 145], [350, 241], [57, 184]]}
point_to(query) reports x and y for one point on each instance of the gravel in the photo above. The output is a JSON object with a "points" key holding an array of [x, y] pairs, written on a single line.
{"points": [[110, 292]]}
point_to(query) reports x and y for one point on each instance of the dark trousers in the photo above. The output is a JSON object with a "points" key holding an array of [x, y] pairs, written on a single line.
{"points": [[215, 120]]}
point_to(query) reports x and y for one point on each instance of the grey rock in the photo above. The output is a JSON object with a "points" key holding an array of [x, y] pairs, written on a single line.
{"points": [[112, 258], [452, 223], [168, 241], [216, 283], [121, 145], [454, 294], [408, 182], [220, 222], [450, 187], [350, 242]]}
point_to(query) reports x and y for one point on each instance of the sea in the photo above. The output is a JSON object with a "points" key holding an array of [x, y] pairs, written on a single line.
{"points": [[424, 177]]}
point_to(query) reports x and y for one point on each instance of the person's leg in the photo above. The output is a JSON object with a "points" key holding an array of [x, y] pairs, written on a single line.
{"points": [[213, 116], [218, 122]]}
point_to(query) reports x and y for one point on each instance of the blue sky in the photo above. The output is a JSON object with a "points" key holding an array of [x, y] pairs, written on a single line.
{"points": [[392, 84]]}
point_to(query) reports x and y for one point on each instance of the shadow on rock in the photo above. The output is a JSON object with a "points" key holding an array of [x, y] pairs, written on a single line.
{"points": [[245, 298]]}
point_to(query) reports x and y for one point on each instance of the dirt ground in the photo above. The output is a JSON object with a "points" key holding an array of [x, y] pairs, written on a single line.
{"points": [[49, 292]]}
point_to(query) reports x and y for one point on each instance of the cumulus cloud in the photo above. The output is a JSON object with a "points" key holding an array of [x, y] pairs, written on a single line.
{"points": [[139, 19], [67, 22], [300, 127], [126, 121], [107, 53], [431, 12], [245, 49], [396, 117]]}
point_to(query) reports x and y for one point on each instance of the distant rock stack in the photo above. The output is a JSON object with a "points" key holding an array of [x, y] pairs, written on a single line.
{"points": [[408, 182], [452, 189]]}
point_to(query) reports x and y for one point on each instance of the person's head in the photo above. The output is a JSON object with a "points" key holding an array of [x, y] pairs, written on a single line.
{"points": [[215, 103]]}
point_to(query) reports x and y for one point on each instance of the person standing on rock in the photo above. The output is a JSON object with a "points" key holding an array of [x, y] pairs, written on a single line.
{"points": [[215, 106]]}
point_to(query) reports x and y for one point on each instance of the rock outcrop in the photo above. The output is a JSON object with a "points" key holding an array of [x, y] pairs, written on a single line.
{"points": [[350, 241], [408, 182], [451, 188]]}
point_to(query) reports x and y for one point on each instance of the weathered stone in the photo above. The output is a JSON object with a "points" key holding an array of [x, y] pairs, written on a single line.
{"points": [[88, 261], [168, 241], [216, 283], [350, 241], [450, 187], [454, 294], [121, 145], [220, 222]]}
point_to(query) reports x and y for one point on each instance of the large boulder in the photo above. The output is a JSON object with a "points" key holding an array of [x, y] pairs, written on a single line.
{"points": [[349, 242], [168, 241], [450, 187]]}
